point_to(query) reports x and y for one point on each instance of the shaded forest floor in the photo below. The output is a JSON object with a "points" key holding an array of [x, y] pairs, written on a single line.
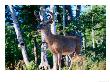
{"points": [[85, 64]]}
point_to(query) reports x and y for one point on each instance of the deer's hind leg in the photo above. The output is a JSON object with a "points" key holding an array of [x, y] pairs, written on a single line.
{"points": [[71, 56], [71, 64]]}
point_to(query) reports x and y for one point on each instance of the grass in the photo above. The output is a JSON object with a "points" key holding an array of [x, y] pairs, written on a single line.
{"points": [[79, 63], [88, 64]]}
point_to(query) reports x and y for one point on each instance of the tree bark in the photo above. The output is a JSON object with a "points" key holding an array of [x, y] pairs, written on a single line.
{"points": [[84, 40], [63, 19], [44, 62], [78, 9], [53, 30], [19, 35], [93, 36], [53, 25], [35, 50], [67, 58], [93, 39], [69, 14]]}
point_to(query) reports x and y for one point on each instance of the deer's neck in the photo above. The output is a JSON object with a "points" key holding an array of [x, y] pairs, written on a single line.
{"points": [[48, 36]]}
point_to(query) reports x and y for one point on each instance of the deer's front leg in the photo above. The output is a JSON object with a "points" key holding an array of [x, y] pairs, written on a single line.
{"points": [[55, 62], [59, 61]]}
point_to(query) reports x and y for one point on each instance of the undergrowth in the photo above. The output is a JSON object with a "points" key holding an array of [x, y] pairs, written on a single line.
{"points": [[88, 64]]}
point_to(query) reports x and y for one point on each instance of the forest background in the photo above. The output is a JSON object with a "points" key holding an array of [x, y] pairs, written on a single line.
{"points": [[90, 21]]}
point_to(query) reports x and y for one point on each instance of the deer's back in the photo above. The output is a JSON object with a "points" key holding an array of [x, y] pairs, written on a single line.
{"points": [[64, 45]]}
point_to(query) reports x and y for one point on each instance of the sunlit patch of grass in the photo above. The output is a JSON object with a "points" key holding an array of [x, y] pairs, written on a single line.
{"points": [[65, 68], [21, 66], [32, 66], [88, 64]]}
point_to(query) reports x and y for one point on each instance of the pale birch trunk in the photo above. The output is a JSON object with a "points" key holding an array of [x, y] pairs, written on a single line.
{"points": [[93, 39], [53, 25], [44, 62], [53, 30], [93, 36], [84, 40], [19, 36], [35, 50]]}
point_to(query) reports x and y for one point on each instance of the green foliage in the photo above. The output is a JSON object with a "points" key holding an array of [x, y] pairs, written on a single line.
{"points": [[31, 66], [12, 52], [95, 58], [21, 66]]}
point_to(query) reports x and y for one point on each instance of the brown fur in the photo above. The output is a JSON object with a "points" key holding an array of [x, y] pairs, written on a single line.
{"points": [[61, 44]]}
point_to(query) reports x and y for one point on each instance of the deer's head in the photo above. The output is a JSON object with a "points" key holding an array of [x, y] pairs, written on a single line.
{"points": [[44, 24]]}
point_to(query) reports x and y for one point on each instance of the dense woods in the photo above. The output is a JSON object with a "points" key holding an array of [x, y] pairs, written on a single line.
{"points": [[24, 47]]}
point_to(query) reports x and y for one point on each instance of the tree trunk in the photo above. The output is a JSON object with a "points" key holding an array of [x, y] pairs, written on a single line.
{"points": [[35, 49], [93, 35], [53, 29], [63, 19], [84, 40], [69, 14], [67, 58], [78, 9], [53, 25], [93, 39], [44, 62], [19, 36]]}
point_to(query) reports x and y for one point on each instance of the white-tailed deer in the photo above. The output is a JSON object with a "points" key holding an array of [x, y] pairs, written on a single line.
{"points": [[59, 45]]}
